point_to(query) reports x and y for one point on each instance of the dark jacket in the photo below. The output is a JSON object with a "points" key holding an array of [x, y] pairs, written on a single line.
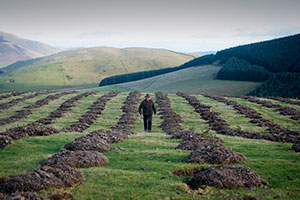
{"points": [[148, 107]]}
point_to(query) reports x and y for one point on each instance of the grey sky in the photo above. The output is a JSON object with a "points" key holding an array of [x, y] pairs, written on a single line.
{"points": [[184, 25]]}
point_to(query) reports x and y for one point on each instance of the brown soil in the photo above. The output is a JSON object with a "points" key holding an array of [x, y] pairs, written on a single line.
{"points": [[77, 159], [88, 143], [4, 141], [33, 129], [193, 143], [25, 195], [245, 198], [296, 147], [43, 178], [233, 176], [215, 155]]}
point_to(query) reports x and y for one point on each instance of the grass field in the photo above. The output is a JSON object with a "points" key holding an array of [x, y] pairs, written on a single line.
{"points": [[87, 67], [141, 166], [195, 80]]}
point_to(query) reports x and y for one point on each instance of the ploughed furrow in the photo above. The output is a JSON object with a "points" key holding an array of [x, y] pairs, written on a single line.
{"points": [[28, 109], [64, 107], [256, 117], [206, 149], [39, 128], [283, 110], [60, 170], [16, 101], [279, 134], [94, 111], [12, 94], [285, 100]]}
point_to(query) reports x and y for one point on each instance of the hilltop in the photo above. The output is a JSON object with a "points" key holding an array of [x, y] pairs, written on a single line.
{"points": [[86, 67], [14, 48]]}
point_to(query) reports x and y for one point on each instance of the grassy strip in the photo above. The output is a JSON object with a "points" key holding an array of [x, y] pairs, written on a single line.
{"points": [[192, 120], [38, 113], [282, 103], [229, 114], [6, 100], [20, 106], [111, 114], [270, 114], [72, 115]]}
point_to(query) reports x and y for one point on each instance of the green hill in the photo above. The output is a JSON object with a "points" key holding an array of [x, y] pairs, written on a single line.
{"points": [[86, 67], [275, 61], [194, 80]]}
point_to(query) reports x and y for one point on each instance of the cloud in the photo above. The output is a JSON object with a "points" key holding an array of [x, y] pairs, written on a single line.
{"points": [[94, 35]]}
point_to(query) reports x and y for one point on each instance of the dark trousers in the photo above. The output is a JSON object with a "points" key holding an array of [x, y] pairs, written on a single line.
{"points": [[147, 122]]}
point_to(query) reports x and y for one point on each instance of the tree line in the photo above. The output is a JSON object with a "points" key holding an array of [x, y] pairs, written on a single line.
{"points": [[123, 78], [275, 61], [241, 70]]}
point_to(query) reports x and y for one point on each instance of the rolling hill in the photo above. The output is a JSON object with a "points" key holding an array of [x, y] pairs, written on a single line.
{"points": [[86, 67], [16, 48], [275, 62], [10, 52], [194, 80]]}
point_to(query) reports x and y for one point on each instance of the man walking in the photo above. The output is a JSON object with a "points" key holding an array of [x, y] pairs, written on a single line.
{"points": [[148, 109]]}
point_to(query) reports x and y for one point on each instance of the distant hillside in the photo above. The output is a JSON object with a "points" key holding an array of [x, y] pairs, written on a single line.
{"points": [[10, 53], [278, 55], [14, 48], [193, 80], [253, 62], [87, 66]]}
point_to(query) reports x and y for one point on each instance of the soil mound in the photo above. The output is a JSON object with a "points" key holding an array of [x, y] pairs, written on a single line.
{"points": [[4, 141], [296, 147], [215, 155], [77, 159], [109, 136], [89, 143], [233, 176], [43, 178], [245, 198], [193, 143], [33, 129], [25, 195]]}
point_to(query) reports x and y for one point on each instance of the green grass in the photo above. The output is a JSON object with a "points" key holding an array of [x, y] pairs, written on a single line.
{"points": [[38, 113], [142, 168], [271, 114], [229, 114], [195, 80], [71, 116], [20, 106], [6, 100], [282, 103]]}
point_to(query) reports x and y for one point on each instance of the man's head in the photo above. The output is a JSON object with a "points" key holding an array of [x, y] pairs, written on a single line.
{"points": [[147, 97]]}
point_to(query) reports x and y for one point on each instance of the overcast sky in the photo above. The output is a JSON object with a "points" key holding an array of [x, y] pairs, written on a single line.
{"points": [[182, 25]]}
